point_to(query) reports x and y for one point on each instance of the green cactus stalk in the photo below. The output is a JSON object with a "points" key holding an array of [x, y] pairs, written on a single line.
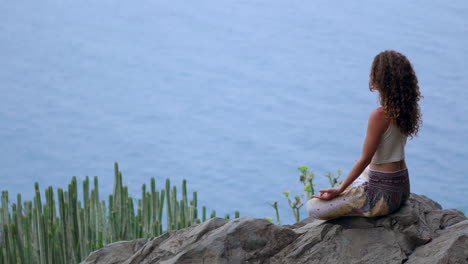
{"points": [[203, 213], [18, 220], [86, 216], [5, 219], [49, 218], [111, 219], [154, 203], [81, 227], [168, 205], [117, 217], [144, 212], [148, 214], [13, 233], [125, 217], [2, 257], [132, 223], [9, 254], [73, 219], [184, 191], [194, 204], [161, 205], [96, 213], [175, 208], [17, 235], [63, 224], [40, 232], [27, 223], [155, 208], [182, 214]]}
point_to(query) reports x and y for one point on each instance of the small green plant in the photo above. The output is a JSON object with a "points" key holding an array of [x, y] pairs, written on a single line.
{"points": [[307, 179], [295, 205], [275, 206], [236, 214], [332, 178]]}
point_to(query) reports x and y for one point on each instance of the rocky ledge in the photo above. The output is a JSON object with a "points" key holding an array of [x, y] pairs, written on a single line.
{"points": [[419, 232]]}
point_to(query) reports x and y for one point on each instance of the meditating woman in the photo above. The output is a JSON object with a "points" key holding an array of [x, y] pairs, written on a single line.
{"points": [[384, 183]]}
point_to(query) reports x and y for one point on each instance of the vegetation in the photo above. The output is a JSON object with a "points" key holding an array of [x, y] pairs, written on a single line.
{"points": [[65, 229], [306, 178]]}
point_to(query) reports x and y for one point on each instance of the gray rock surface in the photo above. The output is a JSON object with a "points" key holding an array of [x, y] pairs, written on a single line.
{"points": [[419, 232]]}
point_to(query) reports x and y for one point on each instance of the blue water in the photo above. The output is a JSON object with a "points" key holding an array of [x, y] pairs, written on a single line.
{"points": [[231, 95]]}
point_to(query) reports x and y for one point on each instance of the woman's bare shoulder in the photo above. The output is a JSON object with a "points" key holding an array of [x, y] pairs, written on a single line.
{"points": [[379, 113], [379, 117]]}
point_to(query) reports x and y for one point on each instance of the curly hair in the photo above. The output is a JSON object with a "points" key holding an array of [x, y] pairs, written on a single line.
{"points": [[393, 76]]}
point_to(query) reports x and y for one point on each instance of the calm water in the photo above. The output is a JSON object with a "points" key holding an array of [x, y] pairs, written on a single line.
{"points": [[231, 95]]}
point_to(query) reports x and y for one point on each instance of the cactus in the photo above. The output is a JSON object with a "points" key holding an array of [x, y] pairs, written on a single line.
{"points": [[9, 253], [154, 197], [168, 205], [184, 191], [194, 204], [4, 217], [64, 229], [175, 209], [203, 213], [161, 205], [182, 220]]}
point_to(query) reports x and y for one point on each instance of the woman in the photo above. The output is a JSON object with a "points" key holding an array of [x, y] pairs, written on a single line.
{"points": [[385, 183]]}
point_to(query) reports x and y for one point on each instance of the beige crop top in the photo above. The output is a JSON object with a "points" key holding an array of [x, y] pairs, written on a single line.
{"points": [[391, 147]]}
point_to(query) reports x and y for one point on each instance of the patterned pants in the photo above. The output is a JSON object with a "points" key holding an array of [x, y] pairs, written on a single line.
{"points": [[374, 193]]}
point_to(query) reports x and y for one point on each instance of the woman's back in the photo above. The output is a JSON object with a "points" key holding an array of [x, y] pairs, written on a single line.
{"points": [[391, 147], [390, 153]]}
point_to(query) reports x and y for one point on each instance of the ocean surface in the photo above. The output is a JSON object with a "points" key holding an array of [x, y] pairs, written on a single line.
{"points": [[231, 95]]}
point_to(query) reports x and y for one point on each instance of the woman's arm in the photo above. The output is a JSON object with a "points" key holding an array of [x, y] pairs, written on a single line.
{"points": [[376, 126]]}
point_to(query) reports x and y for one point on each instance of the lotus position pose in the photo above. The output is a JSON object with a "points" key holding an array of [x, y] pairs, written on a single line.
{"points": [[383, 184]]}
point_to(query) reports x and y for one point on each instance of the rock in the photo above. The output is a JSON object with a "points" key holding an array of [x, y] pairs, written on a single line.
{"points": [[450, 247], [419, 232], [117, 252]]}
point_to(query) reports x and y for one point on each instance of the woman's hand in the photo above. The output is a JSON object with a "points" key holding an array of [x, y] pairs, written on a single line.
{"points": [[327, 194]]}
